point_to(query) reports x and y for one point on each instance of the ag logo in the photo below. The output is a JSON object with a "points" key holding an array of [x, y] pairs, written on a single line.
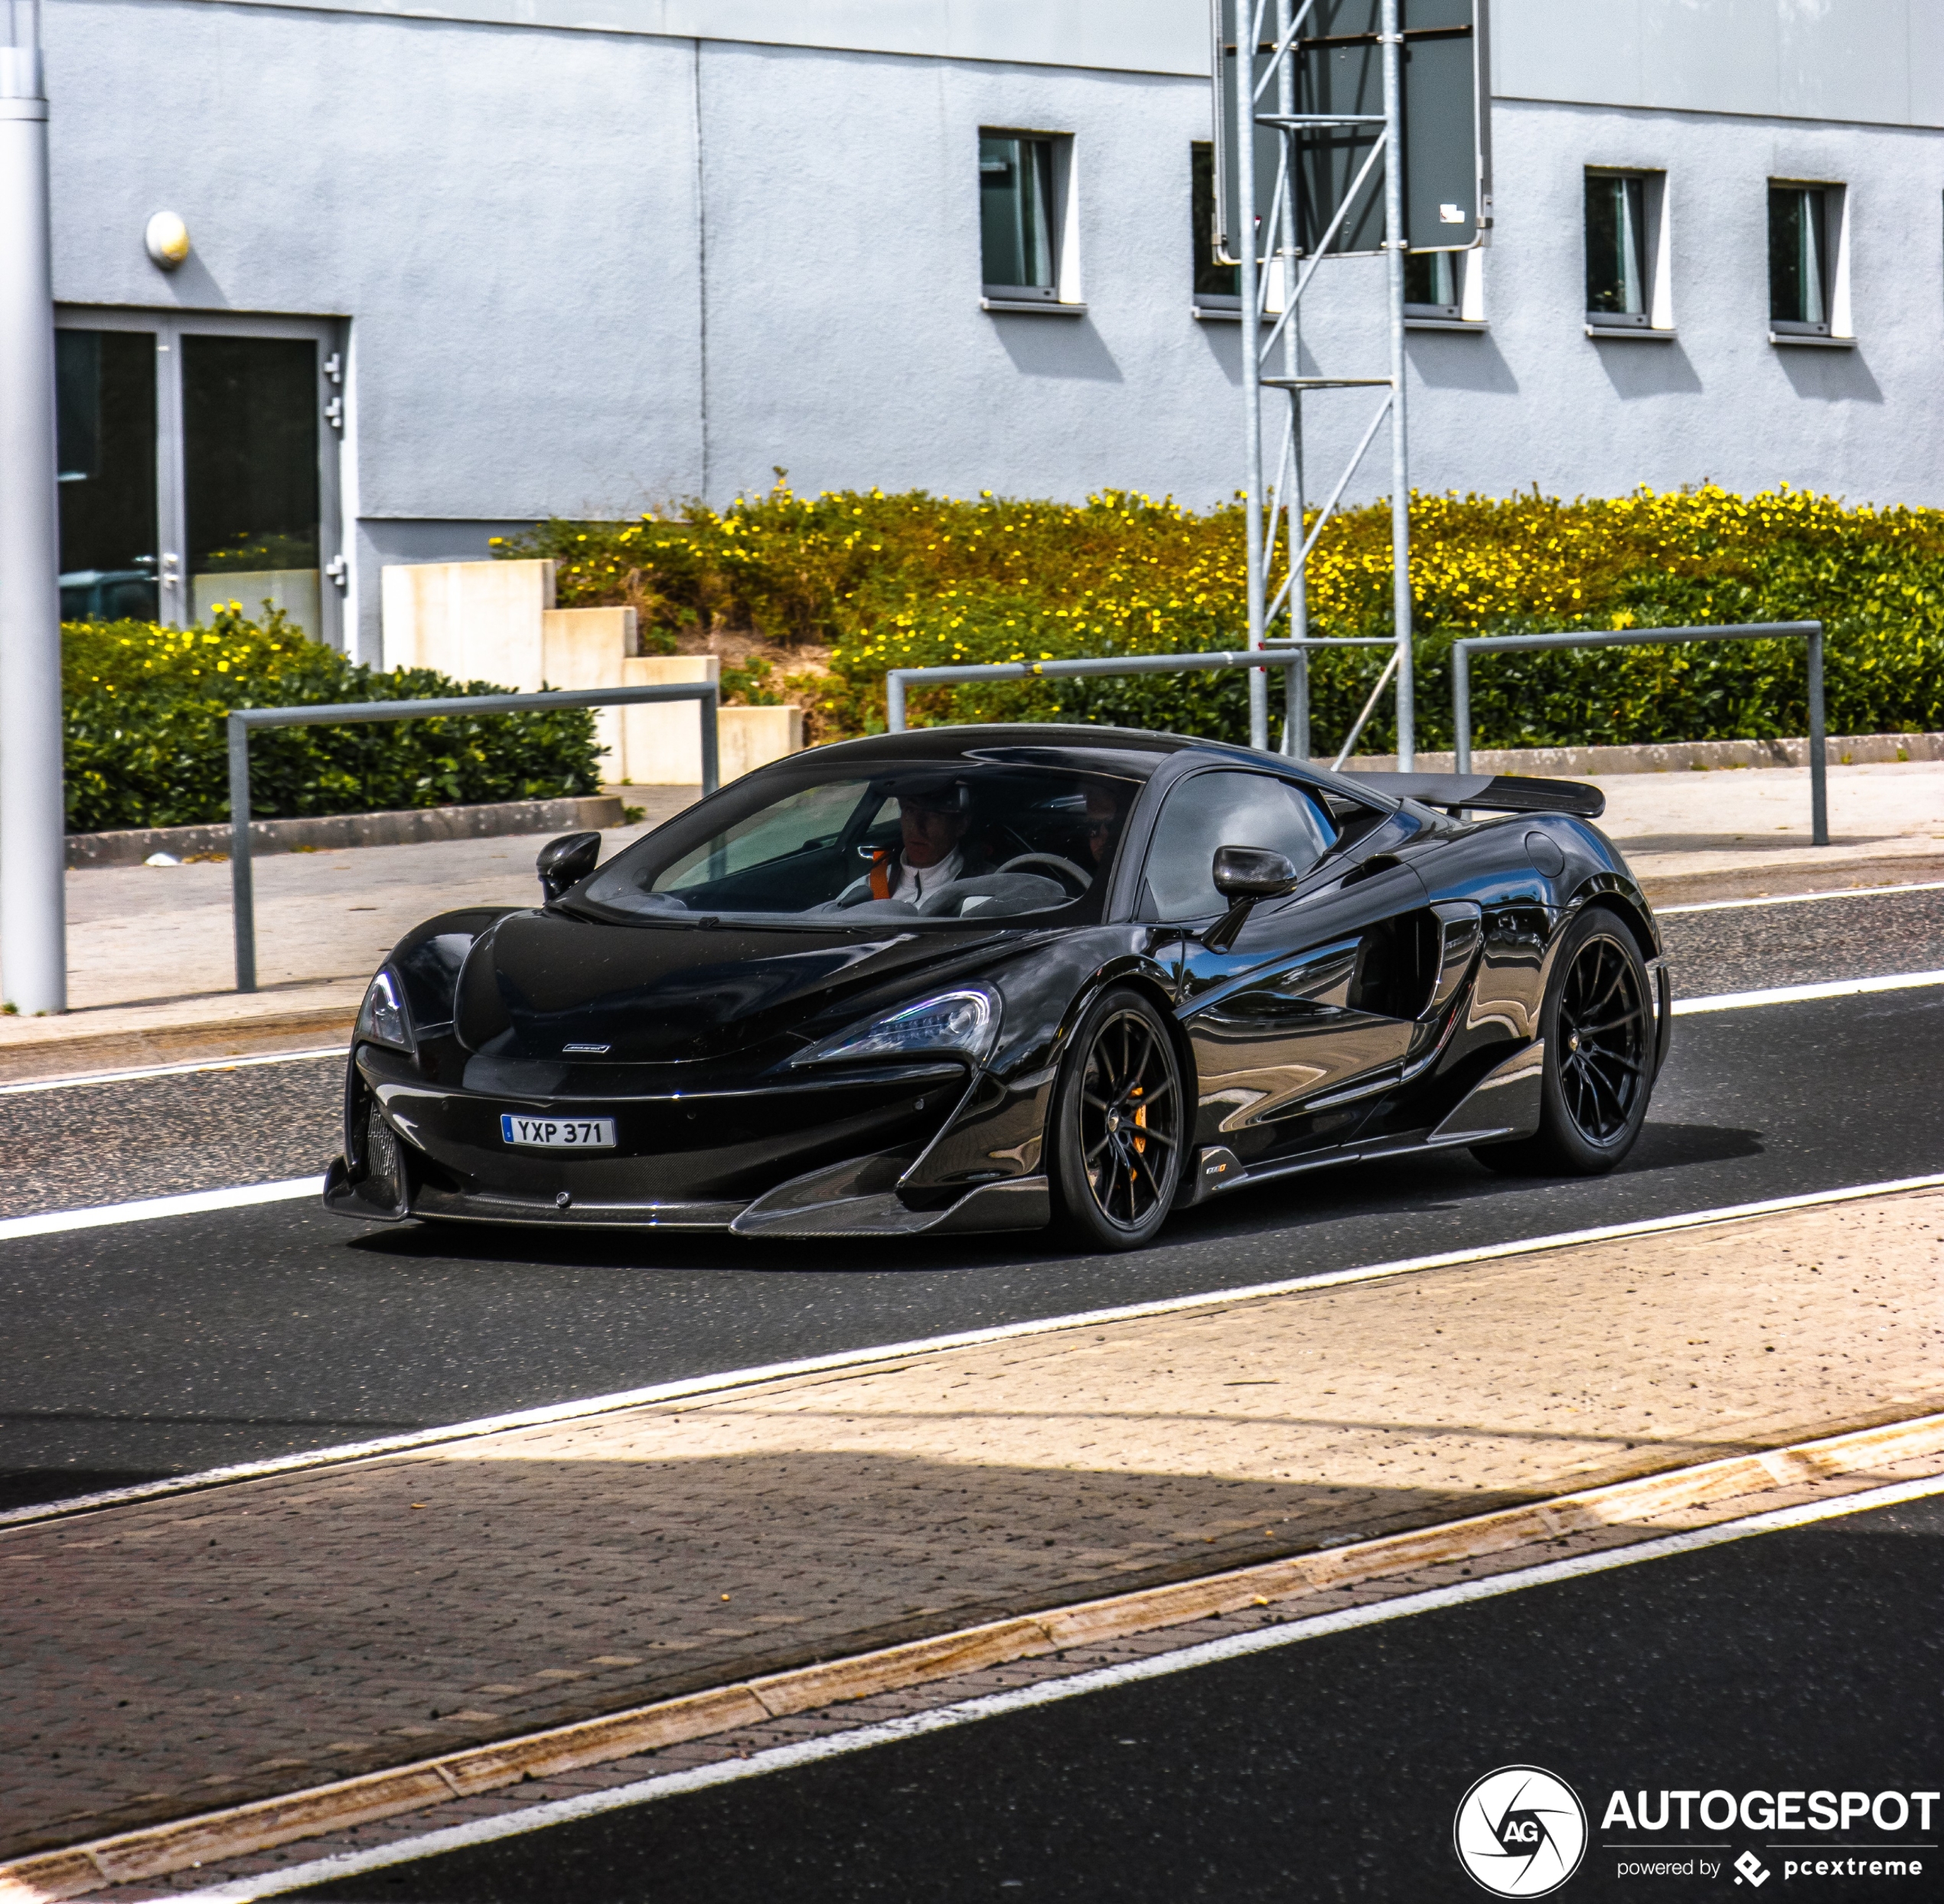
{"points": [[1520, 1832]]}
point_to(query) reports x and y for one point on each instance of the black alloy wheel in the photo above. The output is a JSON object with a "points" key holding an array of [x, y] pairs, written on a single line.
{"points": [[1598, 1023], [1601, 1029], [1117, 1124]]}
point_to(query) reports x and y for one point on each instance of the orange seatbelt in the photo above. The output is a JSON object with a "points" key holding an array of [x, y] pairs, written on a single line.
{"points": [[880, 875]]}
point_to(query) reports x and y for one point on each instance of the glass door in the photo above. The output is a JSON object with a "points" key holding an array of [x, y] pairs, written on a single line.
{"points": [[199, 466], [250, 475], [105, 438]]}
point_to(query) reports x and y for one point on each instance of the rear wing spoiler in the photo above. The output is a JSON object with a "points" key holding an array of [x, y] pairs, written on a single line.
{"points": [[1490, 793]]}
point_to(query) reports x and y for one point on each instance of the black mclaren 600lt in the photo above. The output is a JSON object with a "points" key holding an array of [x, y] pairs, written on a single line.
{"points": [[990, 978]]}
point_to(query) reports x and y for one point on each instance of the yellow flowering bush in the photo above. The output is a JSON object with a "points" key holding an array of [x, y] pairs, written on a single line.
{"points": [[911, 580]]}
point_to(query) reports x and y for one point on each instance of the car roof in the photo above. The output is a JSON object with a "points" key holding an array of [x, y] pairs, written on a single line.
{"points": [[1139, 751], [1006, 738]]}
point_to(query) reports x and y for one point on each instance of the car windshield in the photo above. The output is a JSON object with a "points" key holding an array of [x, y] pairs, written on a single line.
{"points": [[965, 840]]}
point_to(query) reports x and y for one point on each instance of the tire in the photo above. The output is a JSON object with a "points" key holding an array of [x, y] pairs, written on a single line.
{"points": [[1598, 1023], [1116, 1122]]}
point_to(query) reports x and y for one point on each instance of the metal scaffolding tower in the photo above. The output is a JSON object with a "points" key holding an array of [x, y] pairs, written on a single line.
{"points": [[1318, 201]]}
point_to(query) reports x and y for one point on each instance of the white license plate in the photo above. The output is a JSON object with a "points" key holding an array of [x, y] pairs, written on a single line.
{"points": [[558, 1134]]}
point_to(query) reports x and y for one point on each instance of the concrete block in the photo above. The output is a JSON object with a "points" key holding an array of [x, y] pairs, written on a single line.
{"points": [[295, 590], [662, 745], [751, 737], [474, 621], [587, 647]]}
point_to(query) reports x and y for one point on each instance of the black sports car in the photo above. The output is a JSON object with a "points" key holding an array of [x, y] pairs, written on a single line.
{"points": [[985, 978]]}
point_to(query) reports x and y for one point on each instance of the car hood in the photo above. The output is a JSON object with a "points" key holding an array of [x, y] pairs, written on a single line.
{"points": [[539, 982]]}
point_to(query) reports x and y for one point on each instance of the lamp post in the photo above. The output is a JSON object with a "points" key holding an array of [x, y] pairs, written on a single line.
{"points": [[33, 921]]}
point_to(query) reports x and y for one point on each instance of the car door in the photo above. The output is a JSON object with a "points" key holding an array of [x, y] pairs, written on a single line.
{"points": [[1299, 1022]]}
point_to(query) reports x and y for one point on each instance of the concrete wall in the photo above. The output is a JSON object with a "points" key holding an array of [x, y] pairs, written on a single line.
{"points": [[506, 216], [846, 339], [1535, 400], [561, 299], [1876, 61]]}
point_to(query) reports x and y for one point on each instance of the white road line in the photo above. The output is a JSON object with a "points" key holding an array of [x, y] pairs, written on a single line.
{"points": [[189, 1204], [1796, 994], [169, 1070], [1801, 899], [1260, 1639], [193, 1202], [968, 1339]]}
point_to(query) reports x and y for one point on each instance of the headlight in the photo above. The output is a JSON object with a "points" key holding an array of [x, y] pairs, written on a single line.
{"points": [[964, 1021], [381, 1018]]}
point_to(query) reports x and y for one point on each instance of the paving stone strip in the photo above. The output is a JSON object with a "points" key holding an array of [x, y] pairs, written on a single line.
{"points": [[165, 1660], [739, 1721], [256, 1854]]}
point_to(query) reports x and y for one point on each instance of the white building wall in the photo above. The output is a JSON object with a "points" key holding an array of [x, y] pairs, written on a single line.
{"points": [[506, 216], [1536, 400], [562, 300], [846, 339]]}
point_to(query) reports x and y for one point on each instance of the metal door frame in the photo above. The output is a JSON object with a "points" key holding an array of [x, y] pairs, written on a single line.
{"points": [[331, 335]]}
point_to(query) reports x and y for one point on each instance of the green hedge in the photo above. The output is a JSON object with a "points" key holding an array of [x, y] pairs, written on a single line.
{"points": [[147, 745], [912, 579]]}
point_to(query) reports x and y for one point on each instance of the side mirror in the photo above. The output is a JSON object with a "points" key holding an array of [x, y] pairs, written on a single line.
{"points": [[1251, 873], [566, 862], [1243, 875]]}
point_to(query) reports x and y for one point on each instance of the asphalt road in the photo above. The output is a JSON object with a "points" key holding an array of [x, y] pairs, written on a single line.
{"points": [[169, 1346], [1331, 1769]]}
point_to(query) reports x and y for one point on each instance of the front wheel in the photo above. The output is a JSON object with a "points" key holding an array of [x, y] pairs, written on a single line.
{"points": [[1598, 1023], [1117, 1124]]}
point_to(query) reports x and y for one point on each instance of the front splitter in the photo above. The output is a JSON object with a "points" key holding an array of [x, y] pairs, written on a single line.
{"points": [[1020, 1203]]}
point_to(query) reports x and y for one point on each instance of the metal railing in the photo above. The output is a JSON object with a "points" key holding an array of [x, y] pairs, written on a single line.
{"points": [[347, 713], [1810, 631], [1279, 659]]}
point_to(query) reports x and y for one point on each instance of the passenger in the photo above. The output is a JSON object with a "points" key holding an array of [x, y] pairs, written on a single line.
{"points": [[932, 849]]}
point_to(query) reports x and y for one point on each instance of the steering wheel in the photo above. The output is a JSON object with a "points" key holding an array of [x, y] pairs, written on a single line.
{"points": [[1064, 869]]}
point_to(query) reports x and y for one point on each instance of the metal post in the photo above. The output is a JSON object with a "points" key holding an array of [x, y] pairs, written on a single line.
{"points": [[1394, 242], [1295, 676], [1818, 745], [1461, 704], [893, 702], [1246, 34], [33, 807], [243, 895], [707, 706]]}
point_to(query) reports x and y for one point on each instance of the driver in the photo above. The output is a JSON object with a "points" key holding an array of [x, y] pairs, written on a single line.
{"points": [[932, 849], [1103, 826]]}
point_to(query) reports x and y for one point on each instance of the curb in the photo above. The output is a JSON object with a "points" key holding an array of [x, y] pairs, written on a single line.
{"points": [[1873, 876], [330, 833], [130, 1048], [157, 1850]]}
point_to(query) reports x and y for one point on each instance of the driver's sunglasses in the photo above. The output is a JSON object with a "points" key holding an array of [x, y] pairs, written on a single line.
{"points": [[1100, 829]]}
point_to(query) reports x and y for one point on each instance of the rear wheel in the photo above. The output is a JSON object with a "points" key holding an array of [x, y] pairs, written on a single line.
{"points": [[1117, 1124], [1597, 1022]]}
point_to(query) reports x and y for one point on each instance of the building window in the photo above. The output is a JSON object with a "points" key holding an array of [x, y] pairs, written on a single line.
{"points": [[1801, 257], [1628, 281], [1619, 288], [1444, 290], [1217, 287], [1020, 217], [1431, 285]]}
